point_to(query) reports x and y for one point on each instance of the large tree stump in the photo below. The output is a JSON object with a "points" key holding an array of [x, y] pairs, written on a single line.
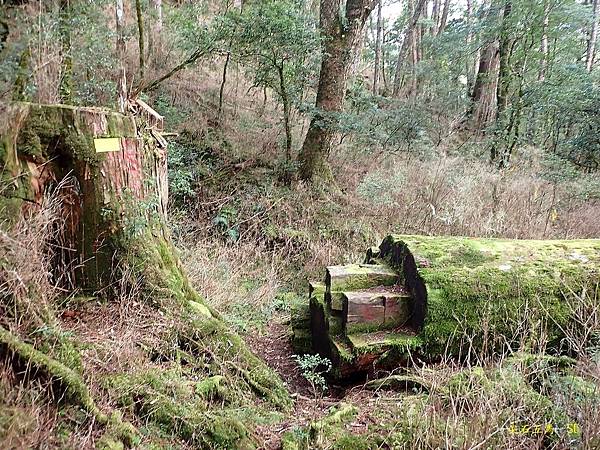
{"points": [[117, 180]]}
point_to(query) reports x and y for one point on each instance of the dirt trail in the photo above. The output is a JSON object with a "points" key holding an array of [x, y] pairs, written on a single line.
{"points": [[274, 347]]}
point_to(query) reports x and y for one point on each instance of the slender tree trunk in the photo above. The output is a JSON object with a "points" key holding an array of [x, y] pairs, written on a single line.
{"points": [[416, 13], [65, 89], [544, 43], [155, 35], [444, 18], [286, 113], [223, 82], [414, 45], [140, 24], [342, 38], [378, 39], [121, 52], [504, 53], [384, 77], [237, 4], [593, 36], [4, 32], [469, 64], [503, 87], [435, 17]]}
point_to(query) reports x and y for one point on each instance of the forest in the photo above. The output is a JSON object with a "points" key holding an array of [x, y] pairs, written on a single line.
{"points": [[299, 224]]}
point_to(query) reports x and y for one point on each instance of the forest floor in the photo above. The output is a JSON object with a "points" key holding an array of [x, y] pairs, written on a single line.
{"points": [[274, 348]]}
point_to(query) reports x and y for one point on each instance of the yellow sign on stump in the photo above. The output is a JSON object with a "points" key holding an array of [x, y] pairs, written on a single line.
{"points": [[104, 145]]}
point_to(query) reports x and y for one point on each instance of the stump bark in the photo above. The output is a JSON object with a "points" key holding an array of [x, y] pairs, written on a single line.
{"points": [[117, 181]]}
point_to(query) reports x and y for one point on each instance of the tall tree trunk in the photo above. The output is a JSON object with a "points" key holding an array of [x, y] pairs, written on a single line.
{"points": [[342, 38], [378, 39], [435, 17], [471, 68], [503, 87], [504, 53], [121, 52], [544, 42], [414, 18], [140, 24], [593, 36], [414, 46], [285, 99], [384, 77], [482, 111], [155, 35], [223, 82], [237, 4], [65, 89], [444, 18]]}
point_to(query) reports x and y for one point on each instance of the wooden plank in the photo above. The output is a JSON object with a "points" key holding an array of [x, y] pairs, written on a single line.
{"points": [[375, 309], [363, 309], [354, 277], [397, 309]]}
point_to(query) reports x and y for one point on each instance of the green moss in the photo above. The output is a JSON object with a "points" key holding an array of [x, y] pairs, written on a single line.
{"points": [[295, 440], [360, 276], [73, 385], [59, 346], [181, 407], [10, 210], [335, 300], [300, 316], [383, 342], [118, 434], [211, 387], [487, 289], [351, 442], [328, 432], [227, 346]]}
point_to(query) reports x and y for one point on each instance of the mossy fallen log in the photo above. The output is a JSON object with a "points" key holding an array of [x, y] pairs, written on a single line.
{"points": [[494, 293], [454, 296]]}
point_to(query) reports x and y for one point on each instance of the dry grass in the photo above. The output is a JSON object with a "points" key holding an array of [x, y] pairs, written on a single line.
{"points": [[291, 234], [28, 288], [26, 418]]}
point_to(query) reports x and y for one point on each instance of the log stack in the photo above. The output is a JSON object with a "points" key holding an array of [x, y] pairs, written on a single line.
{"points": [[359, 313], [425, 297]]}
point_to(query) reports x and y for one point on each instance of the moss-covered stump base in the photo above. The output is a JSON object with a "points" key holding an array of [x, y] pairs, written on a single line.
{"points": [[192, 383]]}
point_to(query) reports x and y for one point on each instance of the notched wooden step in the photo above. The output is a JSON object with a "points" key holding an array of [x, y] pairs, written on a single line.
{"points": [[354, 277], [375, 309], [358, 276], [381, 341]]}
